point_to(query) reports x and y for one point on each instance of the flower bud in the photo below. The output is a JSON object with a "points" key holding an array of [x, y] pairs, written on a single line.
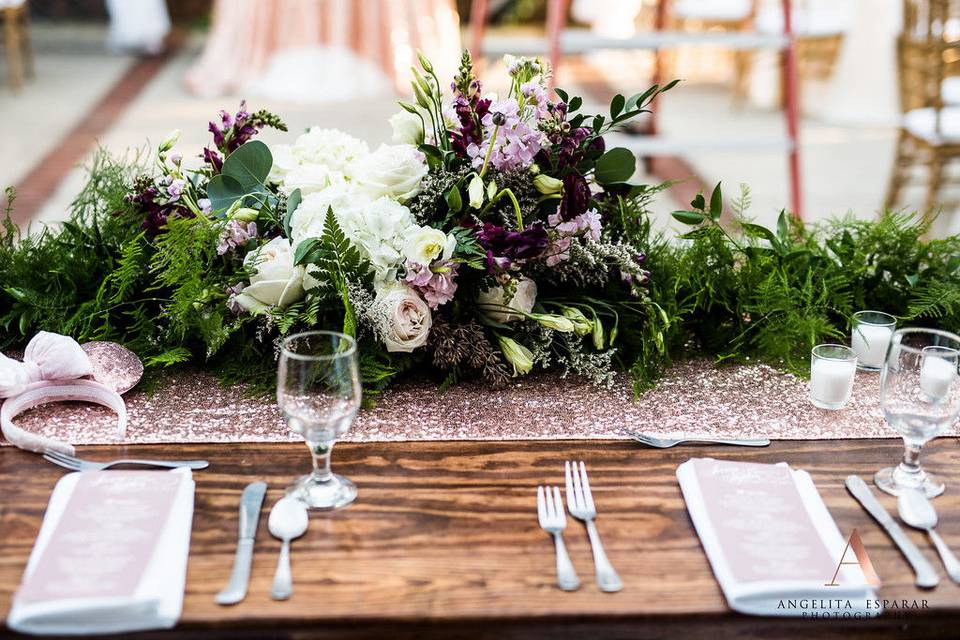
{"points": [[555, 322], [424, 62], [516, 354], [581, 325], [547, 185], [169, 141], [597, 334], [499, 119], [245, 214], [475, 192]]}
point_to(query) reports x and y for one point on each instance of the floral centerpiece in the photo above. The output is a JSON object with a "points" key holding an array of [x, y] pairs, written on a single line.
{"points": [[496, 235]]}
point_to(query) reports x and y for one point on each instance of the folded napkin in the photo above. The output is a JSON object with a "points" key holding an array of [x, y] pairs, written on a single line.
{"points": [[111, 555], [771, 542]]}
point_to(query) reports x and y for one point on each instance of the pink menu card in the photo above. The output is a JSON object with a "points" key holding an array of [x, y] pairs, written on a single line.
{"points": [[105, 537]]}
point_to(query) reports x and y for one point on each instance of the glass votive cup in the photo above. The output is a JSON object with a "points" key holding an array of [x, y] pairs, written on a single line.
{"points": [[870, 335], [938, 373], [832, 370]]}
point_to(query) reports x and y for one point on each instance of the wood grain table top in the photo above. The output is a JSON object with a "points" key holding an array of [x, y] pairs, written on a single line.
{"points": [[444, 542]]}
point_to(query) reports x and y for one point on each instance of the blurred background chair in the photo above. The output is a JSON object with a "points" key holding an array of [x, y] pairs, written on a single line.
{"points": [[18, 55], [928, 57]]}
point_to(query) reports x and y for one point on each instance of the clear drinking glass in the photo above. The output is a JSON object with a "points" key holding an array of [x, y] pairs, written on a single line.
{"points": [[318, 391], [920, 398]]}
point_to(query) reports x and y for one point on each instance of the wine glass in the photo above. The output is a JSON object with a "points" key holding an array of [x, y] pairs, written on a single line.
{"points": [[318, 391], [920, 398]]}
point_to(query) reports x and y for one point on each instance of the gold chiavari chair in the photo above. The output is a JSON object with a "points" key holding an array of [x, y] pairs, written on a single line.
{"points": [[928, 51], [15, 18]]}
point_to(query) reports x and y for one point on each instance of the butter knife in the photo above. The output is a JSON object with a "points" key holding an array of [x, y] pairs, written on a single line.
{"points": [[926, 575], [250, 503]]}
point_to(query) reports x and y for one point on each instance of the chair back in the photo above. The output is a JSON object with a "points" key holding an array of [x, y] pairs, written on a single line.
{"points": [[928, 50]]}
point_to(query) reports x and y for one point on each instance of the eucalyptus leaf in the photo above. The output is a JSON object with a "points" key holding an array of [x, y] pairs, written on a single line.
{"points": [[616, 165], [249, 165], [293, 201], [223, 191]]}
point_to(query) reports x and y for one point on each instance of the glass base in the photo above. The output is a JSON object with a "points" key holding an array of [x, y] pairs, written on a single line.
{"points": [[895, 481], [334, 493], [868, 368]]}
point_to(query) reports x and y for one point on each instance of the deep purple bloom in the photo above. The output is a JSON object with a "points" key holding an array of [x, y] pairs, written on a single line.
{"points": [[505, 247], [576, 196]]}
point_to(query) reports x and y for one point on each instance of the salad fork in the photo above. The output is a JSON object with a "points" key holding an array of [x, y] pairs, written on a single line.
{"points": [[553, 520], [580, 504], [74, 463]]}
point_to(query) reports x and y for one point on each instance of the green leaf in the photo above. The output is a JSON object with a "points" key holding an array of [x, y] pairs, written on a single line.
{"points": [[616, 165], [616, 105], [638, 99], [223, 191], [716, 203], [249, 165], [689, 217], [574, 104], [783, 226], [598, 123], [698, 203], [293, 201], [563, 95], [454, 199], [759, 231]]}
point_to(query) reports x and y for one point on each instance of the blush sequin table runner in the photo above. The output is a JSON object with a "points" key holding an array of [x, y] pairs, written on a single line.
{"points": [[693, 398]]}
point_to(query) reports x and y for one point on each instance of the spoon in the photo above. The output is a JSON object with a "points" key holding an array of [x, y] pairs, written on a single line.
{"points": [[288, 520], [917, 512]]}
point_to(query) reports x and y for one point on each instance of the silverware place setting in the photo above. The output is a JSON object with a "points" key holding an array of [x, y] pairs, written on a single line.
{"points": [[917, 511], [553, 520], [658, 442], [74, 463]]}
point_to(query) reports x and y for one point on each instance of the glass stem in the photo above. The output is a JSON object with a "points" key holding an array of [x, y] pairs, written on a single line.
{"points": [[911, 459], [320, 452]]}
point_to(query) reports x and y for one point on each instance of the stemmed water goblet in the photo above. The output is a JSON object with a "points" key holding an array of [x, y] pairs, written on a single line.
{"points": [[920, 398], [318, 391]]}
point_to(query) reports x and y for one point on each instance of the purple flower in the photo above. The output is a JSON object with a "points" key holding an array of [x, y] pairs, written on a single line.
{"points": [[205, 205], [437, 285], [516, 145], [587, 224], [236, 233], [232, 293], [576, 196], [175, 188], [506, 247]]}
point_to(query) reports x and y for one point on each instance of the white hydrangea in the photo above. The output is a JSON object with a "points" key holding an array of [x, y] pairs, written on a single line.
{"points": [[330, 147], [311, 178], [307, 221], [283, 162]]}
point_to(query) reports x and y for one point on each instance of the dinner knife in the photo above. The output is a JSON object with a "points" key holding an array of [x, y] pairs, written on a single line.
{"points": [[250, 503], [926, 575]]}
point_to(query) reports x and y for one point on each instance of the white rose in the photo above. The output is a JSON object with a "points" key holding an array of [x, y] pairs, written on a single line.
{"points": [[283, 162], [330, 147], [310, 178], [402, 318], [407, 128], [275, 282], [522, 301], [426, 244], [392, 170]]}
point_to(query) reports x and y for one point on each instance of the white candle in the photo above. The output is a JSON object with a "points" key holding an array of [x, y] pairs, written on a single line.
{"points": [[936, 376], [870, 342], [831, 382]]}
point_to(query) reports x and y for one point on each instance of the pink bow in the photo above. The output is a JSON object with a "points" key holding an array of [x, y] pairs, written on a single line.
{"points": [[53, 369]]}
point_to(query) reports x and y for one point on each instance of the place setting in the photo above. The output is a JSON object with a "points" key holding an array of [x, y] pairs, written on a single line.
{"points": [[573, 389]]}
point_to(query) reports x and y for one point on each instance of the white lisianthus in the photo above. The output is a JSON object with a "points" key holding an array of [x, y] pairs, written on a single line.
{"points": [[329, 147], [516, 354], [310, 178], [276, 282], [392, 170], [283, 163], [407, 128], [401, 317], [427, 244], [475, 192], [493, 303]]}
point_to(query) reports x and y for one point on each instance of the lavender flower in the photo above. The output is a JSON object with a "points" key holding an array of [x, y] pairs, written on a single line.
{"points": [[516, 144], [587, 224], [235, 233], [437, 285], [232, 293]]}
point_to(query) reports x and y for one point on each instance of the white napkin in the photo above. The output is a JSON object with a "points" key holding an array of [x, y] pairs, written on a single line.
{"points": [[776, 593], [157, 599]]}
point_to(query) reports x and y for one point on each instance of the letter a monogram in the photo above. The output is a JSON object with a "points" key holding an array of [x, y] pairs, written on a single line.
{"points": [[862, 559]]}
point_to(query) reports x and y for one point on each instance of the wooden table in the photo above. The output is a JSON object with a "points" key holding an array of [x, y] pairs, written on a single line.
{"points": [[444, 542]]}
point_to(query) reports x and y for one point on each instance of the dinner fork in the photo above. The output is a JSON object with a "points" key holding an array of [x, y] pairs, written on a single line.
{"points": [[77, 464], [580, 504], [666, 443], [553, 520]]}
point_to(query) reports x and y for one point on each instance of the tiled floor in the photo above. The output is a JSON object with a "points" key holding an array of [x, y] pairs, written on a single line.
{"points": [[845, 168]]}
